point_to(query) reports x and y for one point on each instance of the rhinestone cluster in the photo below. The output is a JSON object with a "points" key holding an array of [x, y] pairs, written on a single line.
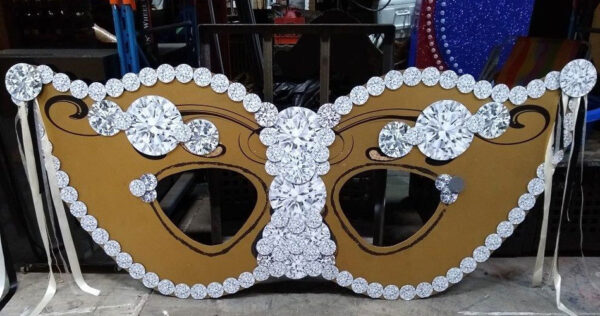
{"points": [[448, 193], [296, 243], [144, 187], [444, 130]]}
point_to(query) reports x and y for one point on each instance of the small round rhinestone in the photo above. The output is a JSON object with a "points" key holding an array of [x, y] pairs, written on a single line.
{"points": [[236, 91], [124, 260], [252, 103], [100, 236], [359, 95], [62, 179], [375, 290], [182, 290], [166, 287], [79, 89], [342, 105], [536, 88], [214, 290], [505, 229], [219, 83], [412, 76], [88, 223], [448, 79], [78, 209], [137, 271], [552, 80], [184, 73], [430, 76], [391, 292], [500, 93], [518, 95], [150, 280], [440, 283], [481, 254], [202, 77], [137, 188], [493, 241], [165, 73], [468, 265], [527, 201], [198, 291], [375, 86], [407, 292], [97, 91], [131, 82], [112, 248], [246, 279], [61, 82], [424, 289], [114, 87], [344, 278], [454, 275], [393, 79], [46, 73], [482, 89], [536, 186], [148, 77], [516, 216], [466, 83], [68, 194]]}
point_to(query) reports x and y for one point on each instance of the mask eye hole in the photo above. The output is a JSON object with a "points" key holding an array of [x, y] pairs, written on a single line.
{"points": [[409, 200], [208, 205]]}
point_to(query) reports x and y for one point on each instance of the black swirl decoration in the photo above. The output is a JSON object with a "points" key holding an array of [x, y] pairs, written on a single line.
{"points": [[80, 113]]}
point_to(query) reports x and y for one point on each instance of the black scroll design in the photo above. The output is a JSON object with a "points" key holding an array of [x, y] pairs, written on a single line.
{"points": [[80, 113], [515, 123]]}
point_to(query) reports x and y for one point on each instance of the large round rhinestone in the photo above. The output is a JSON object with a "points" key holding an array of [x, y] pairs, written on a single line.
{"points": [[305, 197], [445, 131], [103, 116], [205, 137], [495, 119], [23, 82], [578, 78], [297, 128], [391, 139], [155, 123]]}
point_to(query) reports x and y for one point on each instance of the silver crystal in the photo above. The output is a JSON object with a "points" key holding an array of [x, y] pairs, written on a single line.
{"points": [[430, 76], [219, 83], [375, 86], [46, 73], [536, 88], [97, 91], [407, 292], [252, 103], [112, 248], [149, 196], [375, 290], [124, 260], [204, 137], [578, 78], [359, 95], [198, 291], [88, 223], [78, 209], [150, 280], [103, 116], [392, 141], [166, 287], [518, 95], [100, 236], [482, 89], [552, 80], [131, 82], [439, 283], [184, 73], [68, 194], [527, 201], [391, 292], [328, 117], [165, 73], [454, 275], [307, 196], [182, 290], [468, 265], [516, 216], [78, 89], [412, 76], [236, 91], [155, 120], [202, 77], [342, 105], [137, 188], [443, 124], [448, 79], [536, 186], [62, 179], [493, 241], [137, 271], [344, 278], [496, 120], [393, 79], [500, 93], [505, 229], [61, 82], [266, 116], [465, 83], [424, 289], [114, 87], [481, 254], [148, 77]]}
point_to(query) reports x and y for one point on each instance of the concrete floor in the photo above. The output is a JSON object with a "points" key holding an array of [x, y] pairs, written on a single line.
{"points": [[498, 287]]}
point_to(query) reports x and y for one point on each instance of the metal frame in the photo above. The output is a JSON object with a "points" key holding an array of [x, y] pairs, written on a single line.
{"points": [[324, 30]]}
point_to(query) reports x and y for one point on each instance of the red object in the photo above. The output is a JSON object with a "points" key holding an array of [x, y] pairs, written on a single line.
{"points": [[424, 56], [290, 17]]}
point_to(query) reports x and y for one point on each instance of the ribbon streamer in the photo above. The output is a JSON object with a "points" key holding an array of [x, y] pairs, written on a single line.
{"points": [[61, 215], [32, 177]]}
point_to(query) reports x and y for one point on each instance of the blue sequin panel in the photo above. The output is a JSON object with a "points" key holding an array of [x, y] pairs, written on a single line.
{"points": [[467, 31]]}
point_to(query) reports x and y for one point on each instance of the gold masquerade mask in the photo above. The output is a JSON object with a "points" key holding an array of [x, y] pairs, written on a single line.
{"points": [[110, 144]]}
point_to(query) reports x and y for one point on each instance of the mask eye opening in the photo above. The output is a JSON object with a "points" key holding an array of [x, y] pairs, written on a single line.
{"points": [[388, 206], [209, 205]]}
